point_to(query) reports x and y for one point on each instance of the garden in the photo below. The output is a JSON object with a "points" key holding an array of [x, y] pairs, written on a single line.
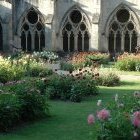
{"points": [[56, 96]]}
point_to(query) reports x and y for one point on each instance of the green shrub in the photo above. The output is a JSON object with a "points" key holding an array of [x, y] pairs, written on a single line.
{"points": [[66, 66], [82, 88], [10, 108], [108, 79], [36, 70], [128, 62], [119, 124], [48, 55], [28, 84], [26, 102], [138, 66], [34, 105], [59, 87], [99, 58], [69, 88]]}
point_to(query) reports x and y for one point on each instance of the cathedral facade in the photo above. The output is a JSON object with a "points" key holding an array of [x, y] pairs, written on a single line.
{"points": [[70, 25]]}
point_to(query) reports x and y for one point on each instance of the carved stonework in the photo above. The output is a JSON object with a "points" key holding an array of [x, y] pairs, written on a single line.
{"points": [[95, 18], [48, 18]]}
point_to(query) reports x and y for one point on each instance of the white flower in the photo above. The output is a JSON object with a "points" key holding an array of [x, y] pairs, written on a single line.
{"points": [[135, 134], [99, 102], [116, 97]]}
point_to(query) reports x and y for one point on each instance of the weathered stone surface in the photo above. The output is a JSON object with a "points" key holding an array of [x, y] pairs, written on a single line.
{"points": [[98, 16]]}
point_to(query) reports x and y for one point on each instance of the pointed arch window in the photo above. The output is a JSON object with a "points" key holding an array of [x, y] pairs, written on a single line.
{"points": [[122, 32], [1, 38], [32, 32], [75, 34]]}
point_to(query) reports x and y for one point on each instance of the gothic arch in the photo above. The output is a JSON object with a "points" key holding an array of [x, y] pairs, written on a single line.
{"points": [[1, 37], [32, 31], [74, 30], [122, 30]]}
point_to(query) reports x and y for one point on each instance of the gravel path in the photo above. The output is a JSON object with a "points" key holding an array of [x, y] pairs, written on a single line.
{"points": [[130, 77]]}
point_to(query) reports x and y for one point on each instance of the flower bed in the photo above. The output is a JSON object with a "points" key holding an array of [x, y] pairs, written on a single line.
{"points": [[22, 101], [119, 119], [128, 62]]}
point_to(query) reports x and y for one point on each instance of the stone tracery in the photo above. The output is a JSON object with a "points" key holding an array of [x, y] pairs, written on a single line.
{"points": [[122, 32], [32, 32], [75, 34], [1, 38]]}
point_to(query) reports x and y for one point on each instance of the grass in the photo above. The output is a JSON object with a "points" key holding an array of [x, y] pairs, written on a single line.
{"points": [[69, 120]]}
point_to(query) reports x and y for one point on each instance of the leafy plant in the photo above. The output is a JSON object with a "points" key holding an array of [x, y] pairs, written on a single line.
{"points": [[10, 108]]}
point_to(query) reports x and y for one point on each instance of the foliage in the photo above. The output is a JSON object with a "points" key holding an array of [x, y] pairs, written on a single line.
{"points": [[69, 88], [9, 111], [128, 62], [99, 58], [37, 69], [33, 105], [47, 55], [84, 59], [25, 101], [119, 124], [59, 87], [108, 79], [66, 66], [81, 88]]}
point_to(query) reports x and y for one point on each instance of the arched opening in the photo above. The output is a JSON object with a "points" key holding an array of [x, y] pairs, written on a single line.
{"points": [[23, 41], [71, 42], [75, 33], [32, 32], [65, 42], [79, 42], [122, 32], [29, 42], [1, 38]]}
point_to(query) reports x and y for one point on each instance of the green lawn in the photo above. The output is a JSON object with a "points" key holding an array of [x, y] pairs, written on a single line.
{"points": [[69, 120]]}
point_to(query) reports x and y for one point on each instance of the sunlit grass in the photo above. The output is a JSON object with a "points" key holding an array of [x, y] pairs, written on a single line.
{"points": [[68, 120]]}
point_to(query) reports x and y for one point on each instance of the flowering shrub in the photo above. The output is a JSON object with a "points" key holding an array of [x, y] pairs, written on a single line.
{"points": [[24, 101], [12, 69], [119, 120], [128, 62], [101, 78], [84, 59], [108, 79], [9, 111], [47, 55], [70, 88]]}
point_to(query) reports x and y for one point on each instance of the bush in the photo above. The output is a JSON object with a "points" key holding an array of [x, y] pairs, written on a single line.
{"points": [[117, 121], [82, 88], [69, 88], [32, 96], [66, 66], [98, 58], [138, 66], [10, 108], [59, 87], [128, 62], [33, 105], [36, 70], [10, 71], [108, 79], [47, 55]]}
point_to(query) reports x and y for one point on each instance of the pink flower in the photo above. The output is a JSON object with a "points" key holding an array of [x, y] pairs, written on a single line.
{"points": [[91, 119], [136, 119], [103, 114], [137, 114], [136, 122]]}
